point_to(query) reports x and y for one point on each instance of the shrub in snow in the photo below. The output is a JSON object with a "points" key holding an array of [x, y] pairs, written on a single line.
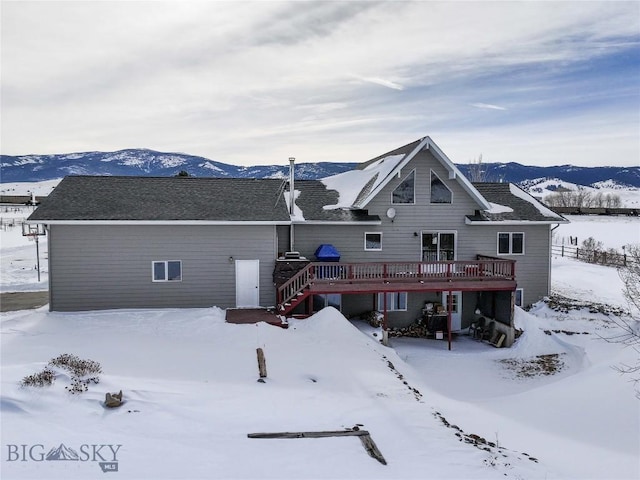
{"points": [[40, 379], [82, 372]]}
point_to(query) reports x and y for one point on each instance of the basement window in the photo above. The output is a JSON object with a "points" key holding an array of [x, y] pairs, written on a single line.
{"points": [[518, 297], [396, 301], [167, 271]]}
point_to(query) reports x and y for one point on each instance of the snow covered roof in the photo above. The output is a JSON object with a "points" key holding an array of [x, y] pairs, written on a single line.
{"points": [[511, 204], [315, 195], [358, 187]]}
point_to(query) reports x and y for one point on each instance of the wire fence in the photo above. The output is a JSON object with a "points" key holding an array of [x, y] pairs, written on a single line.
{"points": [[7, 223], [601, 257]]}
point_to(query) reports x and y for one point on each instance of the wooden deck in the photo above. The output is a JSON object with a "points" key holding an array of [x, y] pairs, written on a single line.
{"points": [[254, 315], [482, 274]]}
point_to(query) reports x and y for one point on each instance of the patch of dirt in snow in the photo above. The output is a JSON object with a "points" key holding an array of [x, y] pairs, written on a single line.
{"points": [[560, 303], [548, 364]]}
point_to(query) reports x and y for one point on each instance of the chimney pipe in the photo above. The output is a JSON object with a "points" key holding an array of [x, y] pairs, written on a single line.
{"points": [[292, 197], [291, 183]]}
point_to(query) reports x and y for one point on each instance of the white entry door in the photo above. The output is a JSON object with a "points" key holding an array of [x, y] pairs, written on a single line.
{"points": [[247, 283], [456, 310]]}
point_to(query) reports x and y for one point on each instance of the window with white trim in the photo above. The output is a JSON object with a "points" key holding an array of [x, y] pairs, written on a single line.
{"points": [[518, 298], [510, 243], [406, 191], [373, 241], [440, 193], [396, 301], [166, 271]]}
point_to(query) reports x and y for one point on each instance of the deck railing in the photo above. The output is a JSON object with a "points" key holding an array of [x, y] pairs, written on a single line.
{"points": [[484, 268]]}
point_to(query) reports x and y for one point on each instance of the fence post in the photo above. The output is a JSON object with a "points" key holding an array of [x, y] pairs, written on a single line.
{"points": [[562, 250], [624, 259]]}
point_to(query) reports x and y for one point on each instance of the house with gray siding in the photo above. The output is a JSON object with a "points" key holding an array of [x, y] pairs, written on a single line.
{"points": [[409, 231]]}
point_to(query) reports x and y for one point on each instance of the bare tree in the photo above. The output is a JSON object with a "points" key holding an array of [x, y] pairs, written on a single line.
{"points": [[630, 327], [477, 171], [582, 198]]}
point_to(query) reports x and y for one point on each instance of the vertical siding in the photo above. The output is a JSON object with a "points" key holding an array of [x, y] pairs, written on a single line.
{"points": [[99, 267]]}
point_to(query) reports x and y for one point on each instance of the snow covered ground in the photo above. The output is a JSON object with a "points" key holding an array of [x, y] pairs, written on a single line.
{"points": [[18, 260], [189, 382], [612, 231]]}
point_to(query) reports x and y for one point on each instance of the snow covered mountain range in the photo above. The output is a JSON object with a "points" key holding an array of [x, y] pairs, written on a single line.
{"points": [[36, 168], [539, 181]]}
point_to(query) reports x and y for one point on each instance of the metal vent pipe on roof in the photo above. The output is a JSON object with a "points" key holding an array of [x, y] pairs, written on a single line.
{"points": [[292, 161], [292, 197]]}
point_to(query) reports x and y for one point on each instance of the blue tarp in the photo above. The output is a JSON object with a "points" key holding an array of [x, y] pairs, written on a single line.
{"points": [[327, 253]]}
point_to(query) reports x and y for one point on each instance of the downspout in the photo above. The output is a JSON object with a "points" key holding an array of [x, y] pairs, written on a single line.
{"points": [[550, 250], [292, 198], [47, 230]]}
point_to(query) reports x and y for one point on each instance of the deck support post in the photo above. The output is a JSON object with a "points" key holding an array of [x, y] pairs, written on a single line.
{"points": [[385, 332], [449, 307]]}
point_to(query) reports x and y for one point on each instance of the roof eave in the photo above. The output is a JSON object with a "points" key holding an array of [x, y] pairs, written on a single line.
{"points": [[337, 222], [467, 221], [157, 222], [456, 174]]}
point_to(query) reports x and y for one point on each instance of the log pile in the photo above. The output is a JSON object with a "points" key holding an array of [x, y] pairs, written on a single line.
{"points": [[413, 330]]}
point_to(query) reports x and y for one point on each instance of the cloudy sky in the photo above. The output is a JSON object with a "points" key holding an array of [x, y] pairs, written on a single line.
{"points": [[539, 83]]}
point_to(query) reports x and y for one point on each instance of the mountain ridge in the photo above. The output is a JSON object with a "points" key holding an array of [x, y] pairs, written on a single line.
{"points": [[146, 162]]}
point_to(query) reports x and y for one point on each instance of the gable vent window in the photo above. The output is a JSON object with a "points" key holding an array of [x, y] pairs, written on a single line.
{"points": [[167, 271], [406, 191], [440, 193], [511, 243]]}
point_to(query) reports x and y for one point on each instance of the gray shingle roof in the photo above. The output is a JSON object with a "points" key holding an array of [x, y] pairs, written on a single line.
{"points": [[164, 199], [112, 198], [528, 210]]}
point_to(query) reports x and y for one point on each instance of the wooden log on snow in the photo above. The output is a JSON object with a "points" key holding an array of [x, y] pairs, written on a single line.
{"points": [[262, 364], [371, 448], [367, 442], [329, 433]]}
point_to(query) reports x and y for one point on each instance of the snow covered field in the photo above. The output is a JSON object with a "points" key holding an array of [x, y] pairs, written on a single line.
{"points": [[613, 232], [18, 261], [189, 382]]}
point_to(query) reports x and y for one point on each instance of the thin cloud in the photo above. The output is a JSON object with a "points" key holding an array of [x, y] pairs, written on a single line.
{"points": [[381, 81], [280, 72], [488, 106]]}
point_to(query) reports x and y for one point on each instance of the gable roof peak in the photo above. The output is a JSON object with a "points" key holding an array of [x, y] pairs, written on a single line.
{"points": [[358, 187]]}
